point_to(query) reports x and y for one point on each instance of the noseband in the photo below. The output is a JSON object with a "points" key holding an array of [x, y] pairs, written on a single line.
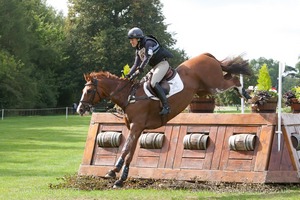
{"points": [[88, 104]]}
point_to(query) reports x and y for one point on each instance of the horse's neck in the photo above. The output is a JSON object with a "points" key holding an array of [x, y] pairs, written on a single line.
{"points": [[118, 91]]}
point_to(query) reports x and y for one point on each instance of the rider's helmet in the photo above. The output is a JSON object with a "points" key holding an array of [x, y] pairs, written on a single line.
{"points": [[135, 33]]}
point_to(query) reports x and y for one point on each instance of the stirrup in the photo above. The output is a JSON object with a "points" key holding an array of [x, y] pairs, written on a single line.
{"points": [[165, 111]]}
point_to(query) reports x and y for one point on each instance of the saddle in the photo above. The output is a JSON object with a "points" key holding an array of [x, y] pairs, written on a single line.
{"points": [[171, 84], [164, 83]]}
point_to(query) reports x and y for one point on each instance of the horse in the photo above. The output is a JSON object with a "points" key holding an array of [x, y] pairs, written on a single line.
{"points": [[201, 75]]}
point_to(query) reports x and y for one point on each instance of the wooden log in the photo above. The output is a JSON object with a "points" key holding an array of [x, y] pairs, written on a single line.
{"points": [[242, 142], [196, 141], [296, 141], [109, 139], [152, 140]]}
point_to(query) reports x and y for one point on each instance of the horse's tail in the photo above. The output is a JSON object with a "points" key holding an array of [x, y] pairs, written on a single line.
{"points": [[235, 65]]}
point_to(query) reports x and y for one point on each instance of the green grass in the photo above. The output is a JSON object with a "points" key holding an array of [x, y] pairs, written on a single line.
{"points": [[35, 151]]}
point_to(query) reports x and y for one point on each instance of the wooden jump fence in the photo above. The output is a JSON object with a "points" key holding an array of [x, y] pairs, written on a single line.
{"points": [[205, 147]]}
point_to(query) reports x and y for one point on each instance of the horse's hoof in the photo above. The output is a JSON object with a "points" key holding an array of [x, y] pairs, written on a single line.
{"points": [[118, 184], [245, 94], [110, 174]]}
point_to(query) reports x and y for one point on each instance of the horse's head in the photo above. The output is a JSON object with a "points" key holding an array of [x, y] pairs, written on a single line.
{"points": [[90, 95]]}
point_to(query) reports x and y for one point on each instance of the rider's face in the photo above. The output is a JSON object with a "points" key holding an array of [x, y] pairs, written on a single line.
{"points": [[133, 42]]}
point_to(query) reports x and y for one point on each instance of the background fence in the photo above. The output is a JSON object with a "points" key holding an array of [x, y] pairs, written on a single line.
{"points": [[69, 111], [44, 111], [33, 112]]}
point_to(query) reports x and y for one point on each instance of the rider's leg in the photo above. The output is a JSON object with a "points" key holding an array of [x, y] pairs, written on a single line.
{"points": [[160, 71]]}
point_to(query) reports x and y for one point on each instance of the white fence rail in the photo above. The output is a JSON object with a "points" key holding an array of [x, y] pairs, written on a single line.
{"points": [[34, 112]]}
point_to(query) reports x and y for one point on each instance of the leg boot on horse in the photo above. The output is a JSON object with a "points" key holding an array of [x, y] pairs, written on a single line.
{"points": [[162, 96]]}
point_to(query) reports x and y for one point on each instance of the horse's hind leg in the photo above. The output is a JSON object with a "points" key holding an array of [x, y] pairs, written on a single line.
{"points": [[239, 88], [233, 82]]}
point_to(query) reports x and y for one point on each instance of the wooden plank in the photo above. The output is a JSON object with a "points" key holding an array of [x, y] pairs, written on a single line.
{"points": [[225, 149], [238, 165], [105, 160], [286, 161], [147, 162], [224, 119], [173, 141], [295, 158], [201, 118], [166, 146], [105, 151], [89, 145], [240, 155], [275, 157], [218, 147], [291, 119], [194, 153], [282, 177], [200, 175], [179, 147], [210, 147], [106, 118], [264, 148], [192, 163], [148, 152], [111, 127]]}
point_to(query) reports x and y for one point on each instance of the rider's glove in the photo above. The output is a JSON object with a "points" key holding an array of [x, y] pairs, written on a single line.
{"points": [[135, 74]]}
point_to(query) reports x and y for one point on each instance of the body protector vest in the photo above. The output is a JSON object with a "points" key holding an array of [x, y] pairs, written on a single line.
{"points": [[158, 52]]}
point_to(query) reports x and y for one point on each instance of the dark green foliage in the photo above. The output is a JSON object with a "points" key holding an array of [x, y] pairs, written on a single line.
{"points": [[43, 59], [31, 38]]}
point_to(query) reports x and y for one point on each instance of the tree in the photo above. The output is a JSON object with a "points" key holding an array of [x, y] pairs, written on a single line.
{"points": [[31, 38], [264, 80]]}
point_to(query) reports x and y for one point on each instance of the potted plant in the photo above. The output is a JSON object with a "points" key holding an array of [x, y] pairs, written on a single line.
{"points": [[202, 104], [264, 98], [292, 98]]}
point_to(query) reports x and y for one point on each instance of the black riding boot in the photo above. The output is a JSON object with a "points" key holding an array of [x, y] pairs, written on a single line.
{"points": [[162, 96]]}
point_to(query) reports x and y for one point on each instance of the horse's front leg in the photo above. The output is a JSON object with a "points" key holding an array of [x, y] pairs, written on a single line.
{"points": [[120, 161], [129, 148]]}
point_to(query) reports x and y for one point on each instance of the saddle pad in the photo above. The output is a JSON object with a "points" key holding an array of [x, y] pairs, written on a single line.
{"points": [[176, 86]]}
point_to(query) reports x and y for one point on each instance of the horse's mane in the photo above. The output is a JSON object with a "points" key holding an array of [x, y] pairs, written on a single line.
{"points": [[99, 75]]}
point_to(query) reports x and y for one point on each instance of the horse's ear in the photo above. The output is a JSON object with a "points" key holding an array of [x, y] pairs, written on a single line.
{"points": [[86, 77]]}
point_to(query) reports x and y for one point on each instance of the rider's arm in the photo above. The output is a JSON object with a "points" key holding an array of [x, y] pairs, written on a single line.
{"points": [[137, 62]]}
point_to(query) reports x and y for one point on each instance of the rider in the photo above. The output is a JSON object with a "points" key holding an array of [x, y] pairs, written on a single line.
{"points": [[148, 50]]}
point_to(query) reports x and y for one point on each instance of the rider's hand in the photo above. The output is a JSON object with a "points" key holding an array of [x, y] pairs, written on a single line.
{"points": [[135, 74]]}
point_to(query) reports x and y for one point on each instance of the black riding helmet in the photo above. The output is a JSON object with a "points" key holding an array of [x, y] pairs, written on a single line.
{"points": [[135, 33]]}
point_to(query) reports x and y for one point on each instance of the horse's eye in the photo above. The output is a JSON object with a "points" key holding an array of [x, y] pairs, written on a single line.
{"points": [[89, 91]]}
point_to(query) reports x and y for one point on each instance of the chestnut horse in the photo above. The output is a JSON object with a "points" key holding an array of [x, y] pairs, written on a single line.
{"points": [[202, 75]]}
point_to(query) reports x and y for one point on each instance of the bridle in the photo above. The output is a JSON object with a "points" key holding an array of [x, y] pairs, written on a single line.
{"points": [[88, 104]]}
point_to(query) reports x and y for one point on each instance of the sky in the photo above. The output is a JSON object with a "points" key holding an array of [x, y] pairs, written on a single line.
{"points": [[256, 28]]}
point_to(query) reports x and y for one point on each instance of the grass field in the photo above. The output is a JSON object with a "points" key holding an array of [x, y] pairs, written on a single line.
{"points": [[35, 151]]}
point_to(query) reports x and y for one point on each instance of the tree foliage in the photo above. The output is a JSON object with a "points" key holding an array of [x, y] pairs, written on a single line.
{"points": [[97, 35], [30, 51], [264, 80], [43, 54]]}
